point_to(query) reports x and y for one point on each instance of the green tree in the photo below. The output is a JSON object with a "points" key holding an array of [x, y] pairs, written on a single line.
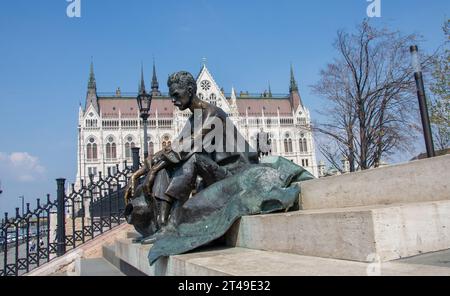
{"points": [[440, 87]]}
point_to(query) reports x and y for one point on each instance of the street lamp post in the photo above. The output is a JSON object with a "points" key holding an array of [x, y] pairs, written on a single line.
{"points": [[144, 101], [422, 101]]}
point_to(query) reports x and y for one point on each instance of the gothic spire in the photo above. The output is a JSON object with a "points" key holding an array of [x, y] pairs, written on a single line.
{"points": [[296, 100], [91, 97], [233, 96], [142, 84], [92, 84], [270, 91], [155, 84], [293, 86]]}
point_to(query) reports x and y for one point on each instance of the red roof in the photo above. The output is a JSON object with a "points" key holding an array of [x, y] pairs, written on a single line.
{"points": [[110, 106], [128, 107], [270, 106]]}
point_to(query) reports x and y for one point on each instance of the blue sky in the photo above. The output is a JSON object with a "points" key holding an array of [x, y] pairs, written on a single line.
{"points": [[44, 61]]}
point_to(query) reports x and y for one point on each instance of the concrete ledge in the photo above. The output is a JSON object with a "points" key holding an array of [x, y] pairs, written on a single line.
{"points": [[359, 234], [97, 267], [247, 262], [416, 181]]}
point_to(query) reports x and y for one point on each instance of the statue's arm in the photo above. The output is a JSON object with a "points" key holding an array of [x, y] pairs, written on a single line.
{"points": [[129, 192]]}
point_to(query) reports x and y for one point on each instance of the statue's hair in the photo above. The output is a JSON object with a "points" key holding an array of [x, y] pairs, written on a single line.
{"points": [[184, 79]]}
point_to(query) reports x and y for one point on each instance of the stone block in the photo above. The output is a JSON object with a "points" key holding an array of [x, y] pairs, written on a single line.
{"points": [[359, 233], [416, 181]]}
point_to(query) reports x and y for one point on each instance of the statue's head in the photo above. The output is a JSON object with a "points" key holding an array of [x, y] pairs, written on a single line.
{"points": [[182, 89]]}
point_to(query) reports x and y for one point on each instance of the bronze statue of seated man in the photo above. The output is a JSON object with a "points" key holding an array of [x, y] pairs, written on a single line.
{"points": [[173, 175]]}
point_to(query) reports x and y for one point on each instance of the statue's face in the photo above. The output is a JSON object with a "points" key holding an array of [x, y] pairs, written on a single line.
{"points": [[181, 96]]}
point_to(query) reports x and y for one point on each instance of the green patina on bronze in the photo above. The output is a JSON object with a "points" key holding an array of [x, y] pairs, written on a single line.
{"points": [[259, 189]]}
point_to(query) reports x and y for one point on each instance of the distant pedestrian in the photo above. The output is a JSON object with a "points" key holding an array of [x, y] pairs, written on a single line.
{"points": [[41, 243], [33, 246]]}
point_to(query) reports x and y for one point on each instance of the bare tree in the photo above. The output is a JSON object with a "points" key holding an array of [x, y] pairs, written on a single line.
{"points": [[440, 89], [371, 105]]}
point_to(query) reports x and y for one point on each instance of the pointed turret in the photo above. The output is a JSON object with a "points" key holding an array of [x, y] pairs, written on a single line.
{"points": [[155, 84], [234, 110], [270, 91], [142, 84], [293, 86], [92, 83], [293, 92], [91, 97], [233, 96], [80, 114]]}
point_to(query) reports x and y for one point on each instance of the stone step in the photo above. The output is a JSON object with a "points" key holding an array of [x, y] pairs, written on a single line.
{"points": [[247, 262], [416, 181], [358, 233], [109, 254], [97, 267]]}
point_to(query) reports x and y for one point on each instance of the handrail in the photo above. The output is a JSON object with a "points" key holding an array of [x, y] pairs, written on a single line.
{"points": [[51, 229]]}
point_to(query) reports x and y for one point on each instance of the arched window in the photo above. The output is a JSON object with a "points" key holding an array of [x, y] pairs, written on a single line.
{"points": [[127, 150], [213, 99], [288, 143], [111, 149], [303, 144], [91, 150], [94, 151], [128, 145], [108, 151]]}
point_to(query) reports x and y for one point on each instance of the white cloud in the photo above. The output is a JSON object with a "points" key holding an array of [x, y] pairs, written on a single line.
{"points": [[21, 166]]}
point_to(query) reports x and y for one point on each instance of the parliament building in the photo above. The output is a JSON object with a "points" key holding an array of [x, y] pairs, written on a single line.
{"points": [[109, 124]]}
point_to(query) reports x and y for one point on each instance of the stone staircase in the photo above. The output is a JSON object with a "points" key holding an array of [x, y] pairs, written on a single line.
{"points": [[98, 267], [363, 223]]}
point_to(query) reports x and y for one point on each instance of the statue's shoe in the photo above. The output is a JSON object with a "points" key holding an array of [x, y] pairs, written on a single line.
{"points": [[137, 240], [153, 238]]}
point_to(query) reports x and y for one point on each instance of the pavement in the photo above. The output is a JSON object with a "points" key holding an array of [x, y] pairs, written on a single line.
{"points": [[440, 259]]}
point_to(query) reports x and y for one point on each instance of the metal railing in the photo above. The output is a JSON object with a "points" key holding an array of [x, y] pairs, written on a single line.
{"points": [[75, 217]]}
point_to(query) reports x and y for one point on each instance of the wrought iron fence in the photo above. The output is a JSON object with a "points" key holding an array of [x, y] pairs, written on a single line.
{"points": [[76, 216]]}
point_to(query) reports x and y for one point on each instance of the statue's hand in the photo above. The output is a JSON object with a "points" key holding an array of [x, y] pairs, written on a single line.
{"points": [[130, 189]]}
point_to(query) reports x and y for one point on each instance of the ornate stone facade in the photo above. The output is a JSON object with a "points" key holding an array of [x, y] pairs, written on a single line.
{"points": [[109, 125]]}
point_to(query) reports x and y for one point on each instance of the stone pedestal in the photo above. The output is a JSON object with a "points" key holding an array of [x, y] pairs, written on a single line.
{"points": [[355, 224], [359, 233]]}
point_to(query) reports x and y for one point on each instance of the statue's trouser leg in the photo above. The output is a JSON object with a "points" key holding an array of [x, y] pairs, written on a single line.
{"points": [[164, 211], [164, 201], [185, 177]]}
